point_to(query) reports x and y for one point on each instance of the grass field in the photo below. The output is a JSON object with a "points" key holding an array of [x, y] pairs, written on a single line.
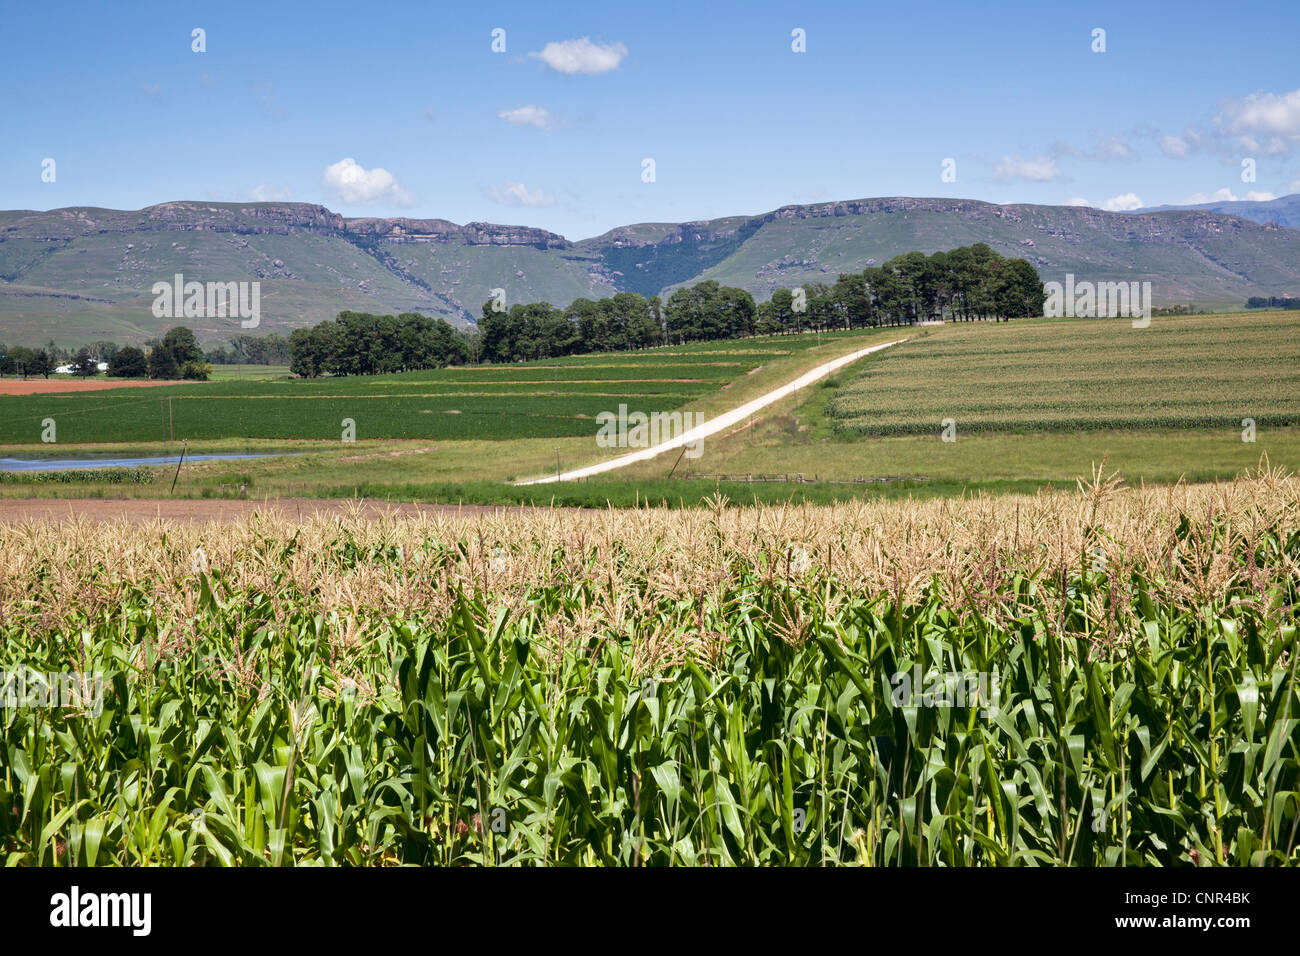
{"points": [[224, 373], [1102, 677]]}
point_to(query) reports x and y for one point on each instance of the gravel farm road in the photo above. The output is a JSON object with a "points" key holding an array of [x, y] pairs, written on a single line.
{"points": [[714, 425]]}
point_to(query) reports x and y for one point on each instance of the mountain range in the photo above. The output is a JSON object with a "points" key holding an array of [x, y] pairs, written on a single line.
{"points": [[83, 273], [1283, 211]]}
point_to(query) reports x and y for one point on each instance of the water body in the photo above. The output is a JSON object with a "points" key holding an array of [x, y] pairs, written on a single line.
{"points": [[62, 464]]}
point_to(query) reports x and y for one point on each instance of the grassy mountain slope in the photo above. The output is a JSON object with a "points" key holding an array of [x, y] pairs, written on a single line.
{"points": [[1206, 258], [82, 273]]}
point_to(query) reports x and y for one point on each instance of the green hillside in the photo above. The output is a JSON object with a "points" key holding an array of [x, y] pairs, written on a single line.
{"points": [[1188, 257], [83, 273]]}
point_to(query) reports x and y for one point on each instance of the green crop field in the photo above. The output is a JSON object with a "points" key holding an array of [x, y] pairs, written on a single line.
{"points": [[1065, 375], [553, 398]]}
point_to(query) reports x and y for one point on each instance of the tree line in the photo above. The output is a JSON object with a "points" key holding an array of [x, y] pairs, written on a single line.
{"points": [[358, 343], [964, 284], [1273, 302], [177, 355]]}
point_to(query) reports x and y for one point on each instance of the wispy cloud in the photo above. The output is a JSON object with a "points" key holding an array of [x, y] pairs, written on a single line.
{"points": [[1038, 169], [528, 116], [1227, 195], [1110, 148], [270, 103], [1263, 122], [581, 56], [517, 194], [264, 192]]}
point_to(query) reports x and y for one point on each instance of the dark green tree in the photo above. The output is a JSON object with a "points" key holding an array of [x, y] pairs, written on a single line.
{"points": [[128, 362]]}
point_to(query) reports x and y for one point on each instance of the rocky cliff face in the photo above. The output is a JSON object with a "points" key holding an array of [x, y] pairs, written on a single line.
{"points": [[272, 219], [438, 230], [253, 219], [490, 234]]}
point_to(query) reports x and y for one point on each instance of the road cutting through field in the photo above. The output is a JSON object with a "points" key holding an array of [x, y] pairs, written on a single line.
{"points": [[714, 425]]}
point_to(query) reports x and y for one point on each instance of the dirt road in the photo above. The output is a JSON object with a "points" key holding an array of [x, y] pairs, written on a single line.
{"points": [[714, 425]]}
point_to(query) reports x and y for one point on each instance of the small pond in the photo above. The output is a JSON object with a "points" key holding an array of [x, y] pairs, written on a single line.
{"points": [[61, 464]]}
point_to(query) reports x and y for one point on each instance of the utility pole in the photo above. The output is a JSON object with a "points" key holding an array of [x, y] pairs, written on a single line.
{"points": [[557, 464], [180, 462], [677, 462]]}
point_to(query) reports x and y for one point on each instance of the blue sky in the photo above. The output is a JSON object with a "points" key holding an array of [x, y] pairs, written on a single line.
{"points": [[403, 109]]}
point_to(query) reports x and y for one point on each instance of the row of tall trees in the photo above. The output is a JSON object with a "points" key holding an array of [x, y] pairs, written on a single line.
{"points": [[624, 321], [964, 284], [540, 330], [1273, 302], [21, 360], [176, 355], [358, 343]]}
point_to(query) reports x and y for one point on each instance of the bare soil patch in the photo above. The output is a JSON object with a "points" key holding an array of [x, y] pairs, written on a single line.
{"points": [[41, 386]]}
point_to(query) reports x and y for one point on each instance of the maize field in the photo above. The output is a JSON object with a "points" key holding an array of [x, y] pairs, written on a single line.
{"points": [[1192, 372], [1104, 677]]}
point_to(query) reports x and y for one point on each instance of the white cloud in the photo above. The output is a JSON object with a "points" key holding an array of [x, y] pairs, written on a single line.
{"points": [[1114, 147], [1110, 148], [1294, 187], [528, 116], [355, 184], [264, 192], [1175, 146], [1264, 122], [517, 194], [1123, 203], [1227, 195], [1076, 201], [581, 56], [1035, 168]]}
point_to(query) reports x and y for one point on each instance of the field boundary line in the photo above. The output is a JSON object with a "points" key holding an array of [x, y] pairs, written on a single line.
{"points": [[717, 424]]}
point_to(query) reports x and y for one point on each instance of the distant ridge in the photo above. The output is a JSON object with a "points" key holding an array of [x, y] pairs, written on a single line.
{"points": [[81, 273], [1284, 211]]}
